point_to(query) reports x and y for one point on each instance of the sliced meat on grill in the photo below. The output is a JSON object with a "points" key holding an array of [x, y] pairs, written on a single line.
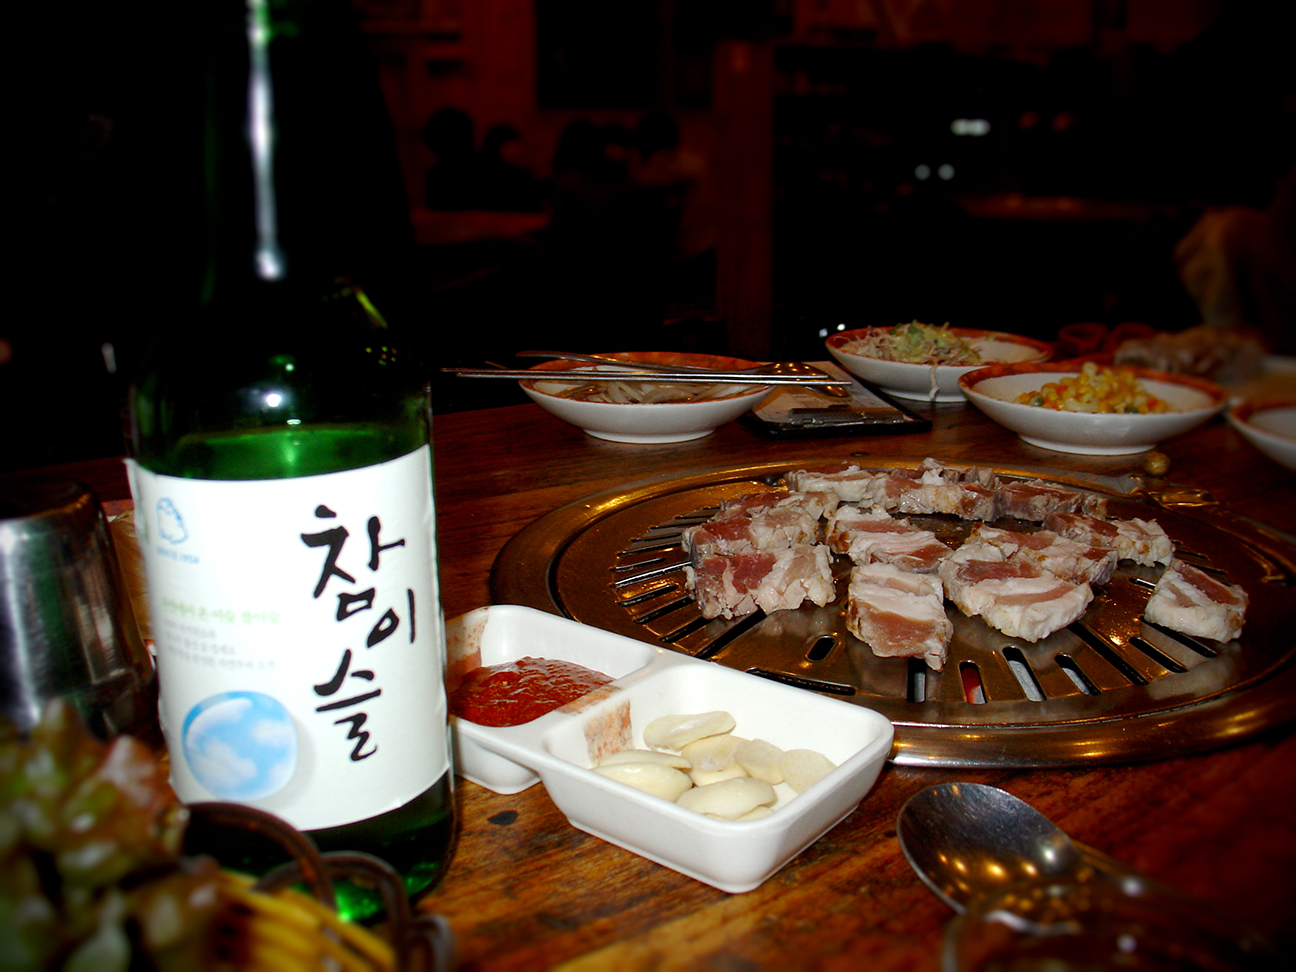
{"points": [[1142, 541], [773, 529], [927, 488], [980, 476], [872, 536], [1072, 560], [898, 613], [1034, 500], [1190, 600], [931, 494], [932, 488], [1016, 596], [817, 503], [771, 580], [973, 474], [848, 481]]}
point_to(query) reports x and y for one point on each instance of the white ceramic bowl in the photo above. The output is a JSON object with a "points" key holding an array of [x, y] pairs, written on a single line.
{"points": [[651, 682], [927, 383], [1269, 424], [1090, 433], [643, 422]]}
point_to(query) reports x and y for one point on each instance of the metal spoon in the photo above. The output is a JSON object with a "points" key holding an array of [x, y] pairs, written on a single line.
{"points": [[997, 860], [967, 839]]}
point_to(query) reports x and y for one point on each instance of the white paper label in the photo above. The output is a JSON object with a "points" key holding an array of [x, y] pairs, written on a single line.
{"points": [[299, 638]]}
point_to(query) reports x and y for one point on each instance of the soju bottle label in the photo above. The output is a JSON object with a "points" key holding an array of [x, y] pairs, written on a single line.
{"points": [[299, 638]]}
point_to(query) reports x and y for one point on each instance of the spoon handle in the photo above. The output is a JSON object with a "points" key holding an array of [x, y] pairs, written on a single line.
{"points": [[1109, 866]]}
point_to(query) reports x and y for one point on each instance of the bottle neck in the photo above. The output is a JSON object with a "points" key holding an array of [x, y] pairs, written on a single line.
{"points": [[269, 259], [301, 181]]}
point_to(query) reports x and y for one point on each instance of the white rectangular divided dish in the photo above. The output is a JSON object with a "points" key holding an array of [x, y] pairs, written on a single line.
{"points": [[560, 747]]}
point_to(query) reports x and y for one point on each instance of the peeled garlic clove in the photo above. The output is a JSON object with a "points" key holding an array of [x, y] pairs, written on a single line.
{"points": [[677, 731], [757, 813], [652, 778], [712, 753], [802, 768], [711, 758], [702, 777], [760, 759], [728, 799], [647, 756]]}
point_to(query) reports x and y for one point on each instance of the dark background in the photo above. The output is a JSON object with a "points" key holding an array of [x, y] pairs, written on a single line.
{"points": [[106, 200]]}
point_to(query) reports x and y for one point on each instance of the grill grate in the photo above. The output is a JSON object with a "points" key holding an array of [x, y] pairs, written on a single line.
{"points": [[1110, 687]]}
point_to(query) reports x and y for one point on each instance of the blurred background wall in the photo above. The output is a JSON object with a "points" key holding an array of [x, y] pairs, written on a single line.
{"points": [[717, 175]]}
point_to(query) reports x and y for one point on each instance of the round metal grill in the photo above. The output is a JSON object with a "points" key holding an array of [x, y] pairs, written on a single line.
{"points": [[1110, 687]]}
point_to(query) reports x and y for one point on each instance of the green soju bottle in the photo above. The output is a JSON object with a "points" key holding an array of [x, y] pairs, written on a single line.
{"points": [[283, 483]]}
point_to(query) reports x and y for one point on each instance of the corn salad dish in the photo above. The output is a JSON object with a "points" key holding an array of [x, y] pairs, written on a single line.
{"points": [[1096, 389]]}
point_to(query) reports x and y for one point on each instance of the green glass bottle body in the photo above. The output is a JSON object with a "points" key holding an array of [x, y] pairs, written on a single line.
{"points": [[348, 403], [276, 413]]}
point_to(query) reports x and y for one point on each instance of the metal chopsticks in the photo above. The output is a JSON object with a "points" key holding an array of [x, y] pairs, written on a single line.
{"points": [[575, 376]]}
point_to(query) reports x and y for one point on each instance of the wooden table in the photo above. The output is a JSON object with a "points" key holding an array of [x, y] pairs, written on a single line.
{"points": [[527, 891]]}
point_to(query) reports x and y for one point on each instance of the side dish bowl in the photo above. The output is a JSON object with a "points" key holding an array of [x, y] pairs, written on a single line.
{"points": [[561, 747], [1269, 424], [994, 390], [932, 383], [670, 421]]}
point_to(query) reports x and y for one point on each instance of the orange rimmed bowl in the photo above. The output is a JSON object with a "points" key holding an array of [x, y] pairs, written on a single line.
{"points": [[648, 422], [994, 390], [1269, 424], [932, 383]]}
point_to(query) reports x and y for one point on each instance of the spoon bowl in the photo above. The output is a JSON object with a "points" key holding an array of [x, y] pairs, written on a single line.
{"points": [[965, 839]]}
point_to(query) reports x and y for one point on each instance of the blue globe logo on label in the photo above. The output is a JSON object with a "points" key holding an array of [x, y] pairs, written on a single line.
{"points": [[240, 745], [170, 523]]}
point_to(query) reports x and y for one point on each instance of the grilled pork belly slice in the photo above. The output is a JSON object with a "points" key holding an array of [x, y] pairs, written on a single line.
{"points": [[1142, 541], [898, 613], [1072, 560], [772, 580], [1036, 499], [783, 526], [867, 537], [928, 488], [981, 477], [817, 503], [1016, 596], [932, 488], [973, 474], [851, 483], [932, 494], [1190, 600]]}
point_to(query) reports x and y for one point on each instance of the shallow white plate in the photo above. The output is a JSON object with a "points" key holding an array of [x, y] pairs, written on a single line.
{"points": [[559, 748], [933, 383], [1269, 424], [644, 422], [1091, 433]]}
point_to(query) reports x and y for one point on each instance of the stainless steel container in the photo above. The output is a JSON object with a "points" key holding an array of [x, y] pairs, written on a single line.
{"points": [[66, 628]]}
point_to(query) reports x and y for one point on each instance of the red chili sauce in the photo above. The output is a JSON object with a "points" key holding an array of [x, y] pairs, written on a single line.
{"points": [[516, 692]]}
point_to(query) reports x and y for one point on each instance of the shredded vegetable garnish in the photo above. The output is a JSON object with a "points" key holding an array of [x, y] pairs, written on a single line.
{"points": [[917, 343], [1096, 389]]}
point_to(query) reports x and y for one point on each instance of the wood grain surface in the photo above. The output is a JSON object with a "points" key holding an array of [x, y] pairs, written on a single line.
{"points": [[527, 891]]}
